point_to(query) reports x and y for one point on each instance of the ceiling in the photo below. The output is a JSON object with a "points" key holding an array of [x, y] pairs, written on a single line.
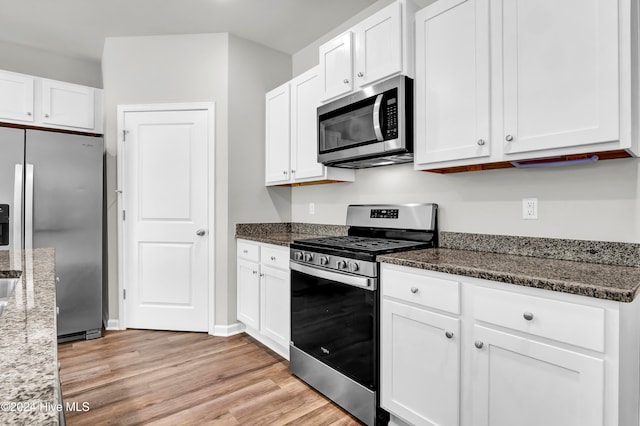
{"points": [[78, 28]]}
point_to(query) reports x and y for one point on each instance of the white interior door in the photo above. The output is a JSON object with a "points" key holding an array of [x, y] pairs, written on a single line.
{"points": [[166, 237]]}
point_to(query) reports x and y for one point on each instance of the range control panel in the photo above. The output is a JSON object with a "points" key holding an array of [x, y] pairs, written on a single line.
{"points": [[384, 214]]}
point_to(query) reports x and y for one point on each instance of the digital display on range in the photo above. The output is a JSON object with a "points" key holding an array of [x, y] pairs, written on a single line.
{"points": [[384, 214]]}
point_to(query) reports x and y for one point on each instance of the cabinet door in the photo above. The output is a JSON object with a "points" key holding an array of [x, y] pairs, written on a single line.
{"points": [[336, 66], [276, 299], [378, 45], [560, 73], [16, 96], [420, 365], [517, 381], [305, 99], [277, 170], [452, 81], [66, 104], [248, 280]]}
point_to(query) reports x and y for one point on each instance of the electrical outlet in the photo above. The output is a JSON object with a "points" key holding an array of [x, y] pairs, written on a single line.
{"points": [[312, 208], [530, 208]]}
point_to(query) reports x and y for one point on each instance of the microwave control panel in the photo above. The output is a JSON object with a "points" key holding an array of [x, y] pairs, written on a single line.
{"points": [[391, 115]]}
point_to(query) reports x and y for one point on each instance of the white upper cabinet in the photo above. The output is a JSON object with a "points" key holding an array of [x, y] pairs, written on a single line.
{"points": [[560, 73], [277, 170], [305, 98], [292, 134], [378, 47], [16, 97], [337, 66], [452, 91], [41, 102], [501, 82], [67, 104]]}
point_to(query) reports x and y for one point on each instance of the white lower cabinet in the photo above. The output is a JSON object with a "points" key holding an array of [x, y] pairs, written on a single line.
{"points": [[520, 381], [263, 293], [504, 354], [420, 347]]}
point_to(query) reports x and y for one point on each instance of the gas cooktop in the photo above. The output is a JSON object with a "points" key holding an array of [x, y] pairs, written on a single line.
{"points": [[363, 244]]}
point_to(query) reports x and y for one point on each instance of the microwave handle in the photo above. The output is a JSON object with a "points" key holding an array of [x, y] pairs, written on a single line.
{"points": [[376, 117]]}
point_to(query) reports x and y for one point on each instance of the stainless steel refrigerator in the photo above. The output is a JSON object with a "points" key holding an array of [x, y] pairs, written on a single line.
{"points": [[51, 184]]}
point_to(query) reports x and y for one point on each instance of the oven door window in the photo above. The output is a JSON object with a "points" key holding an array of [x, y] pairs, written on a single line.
{"points": [[335, 323]]}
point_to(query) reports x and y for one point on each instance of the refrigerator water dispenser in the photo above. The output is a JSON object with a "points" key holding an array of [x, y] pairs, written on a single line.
{"points": [[4, 224]]}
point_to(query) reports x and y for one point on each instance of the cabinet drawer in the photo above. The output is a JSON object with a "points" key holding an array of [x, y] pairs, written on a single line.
{"points": [[566, 322], [248, 251], [275, 257], [427, 291]]}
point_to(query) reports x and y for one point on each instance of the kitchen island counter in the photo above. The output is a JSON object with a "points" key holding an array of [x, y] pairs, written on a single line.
{"points": [[29, 393]]}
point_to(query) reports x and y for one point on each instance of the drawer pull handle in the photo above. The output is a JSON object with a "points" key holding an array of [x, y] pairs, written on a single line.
{"points": [[528, 316], [448, 334], [273, 258], [414, 290], [479, 344]]}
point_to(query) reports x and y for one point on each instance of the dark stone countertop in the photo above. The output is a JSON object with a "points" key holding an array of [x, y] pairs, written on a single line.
{"points": [[600, 269], [29, 390], [610, 282]]}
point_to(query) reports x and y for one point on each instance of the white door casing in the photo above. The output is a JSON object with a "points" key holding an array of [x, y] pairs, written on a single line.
{"points": [[166, 216]]}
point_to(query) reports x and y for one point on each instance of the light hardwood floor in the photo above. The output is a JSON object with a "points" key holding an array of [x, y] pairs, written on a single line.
{"points": [[175, 378]]}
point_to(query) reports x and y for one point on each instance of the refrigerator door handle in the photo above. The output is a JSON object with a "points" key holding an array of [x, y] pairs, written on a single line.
{"points": [[28, 208], [16, 238]]}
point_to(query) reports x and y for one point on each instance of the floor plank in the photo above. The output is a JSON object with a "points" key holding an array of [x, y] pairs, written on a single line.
{"points": [[137, 377]]}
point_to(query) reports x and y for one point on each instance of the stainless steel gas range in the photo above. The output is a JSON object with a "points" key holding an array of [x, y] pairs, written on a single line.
{"points": [[335, 304]]}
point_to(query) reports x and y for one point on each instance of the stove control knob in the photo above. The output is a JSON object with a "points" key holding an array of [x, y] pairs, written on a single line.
{"points": [[297, 255], [341, 264], [308, 257], [353, 267], [324, 260]]}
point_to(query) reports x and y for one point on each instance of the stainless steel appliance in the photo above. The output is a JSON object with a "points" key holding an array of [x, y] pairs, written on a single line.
{"points": [[373, 127], [52, 184], [335, 303]]}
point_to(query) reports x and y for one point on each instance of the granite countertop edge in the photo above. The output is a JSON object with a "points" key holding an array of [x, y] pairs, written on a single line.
{"points": [[28, 340], [578, 278], [519, 269]]}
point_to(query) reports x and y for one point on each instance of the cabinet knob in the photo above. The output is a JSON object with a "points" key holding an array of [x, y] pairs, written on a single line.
{"points": [[345, 81], [508, 138], [29, 114], [262, 275], [360, 74], [293, 172], [478, 344], [200, 232], [528, 316], [273, 258], [245, 251], [284, 172], [448, 334], [255, 272], [481, 142], [46, 115], [414, 290]]}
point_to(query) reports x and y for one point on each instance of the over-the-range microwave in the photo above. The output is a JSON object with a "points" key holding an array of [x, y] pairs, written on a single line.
{"points": [[372, 127]]}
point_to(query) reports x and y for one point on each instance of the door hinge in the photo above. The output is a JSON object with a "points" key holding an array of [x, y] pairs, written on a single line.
{"points": [[124, 215], [124, 294], [124, 135]]}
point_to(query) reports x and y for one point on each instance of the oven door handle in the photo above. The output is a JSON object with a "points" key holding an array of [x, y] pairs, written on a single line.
{"points": [[352, 280]]}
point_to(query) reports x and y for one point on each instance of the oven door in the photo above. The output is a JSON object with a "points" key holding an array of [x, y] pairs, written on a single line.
{"points": [[334, 319]]}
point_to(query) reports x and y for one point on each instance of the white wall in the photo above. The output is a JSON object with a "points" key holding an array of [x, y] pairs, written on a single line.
{"points": [[42, 63], [592, 202], [253, 70]]}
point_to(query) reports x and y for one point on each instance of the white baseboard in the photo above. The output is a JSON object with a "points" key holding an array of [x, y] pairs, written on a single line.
{"points": [[228, 330], [111, 324]]}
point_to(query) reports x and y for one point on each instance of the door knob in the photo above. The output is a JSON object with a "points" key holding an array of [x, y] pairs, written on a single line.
{"points": [[200, 232]]}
